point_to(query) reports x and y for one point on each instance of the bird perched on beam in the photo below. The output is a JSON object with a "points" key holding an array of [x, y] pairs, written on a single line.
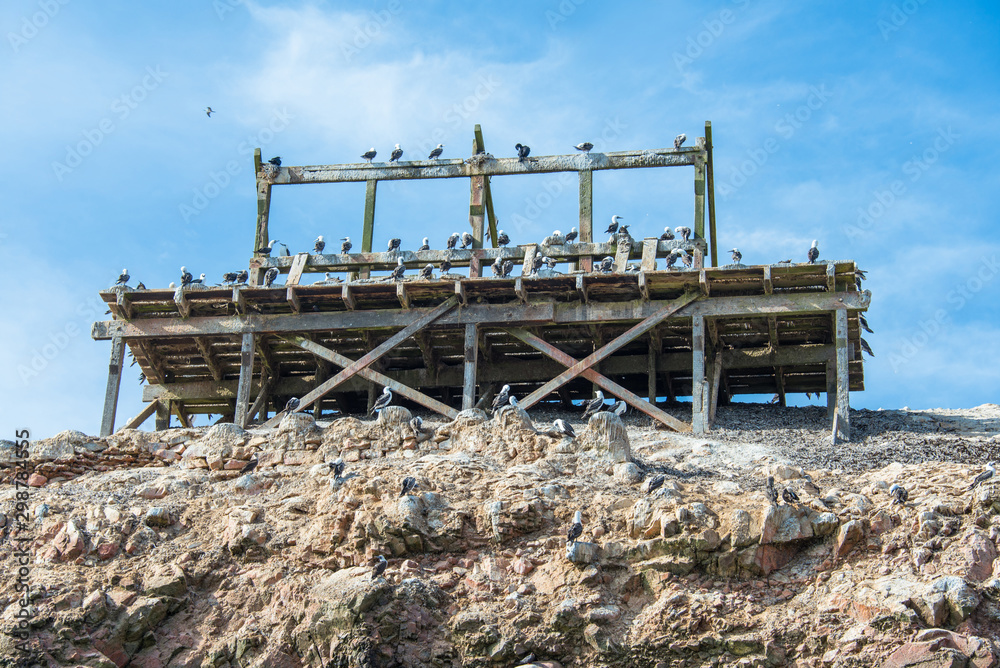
{"points": [[813, 253], [396, 154], [409, 483], [384, 400], [243, 276], [445, 266], [123, 277], [737, 255], [675, 254], [506, 268], [684, 232], [266, 250], [576, 528], [426, 245], [269, 276], [585, 146], [319, 245], [270, 168], [436, 152], [502, 238], [991, 470], [467, 240], [346, 246], [679, 140], [186, 277], [394, 244], [230, 276], [370, 154], [452, 240], [613, 227], [522, 152], [399, 270], [668, 234], [427, 273], [594, 405], [606, 265], [572, 235]]}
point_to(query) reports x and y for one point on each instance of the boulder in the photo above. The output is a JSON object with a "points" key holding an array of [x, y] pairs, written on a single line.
{"points": [[962, 599], [627, 473], [606, 433], [848, 536], [979, 553], [394, 416], [580, 552], [785, 524]]}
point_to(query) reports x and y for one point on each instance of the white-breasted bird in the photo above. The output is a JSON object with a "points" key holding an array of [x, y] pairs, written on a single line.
{"points": [[383, 400], [668, 234], [436, 152], [502, 397], [122, 278], [345, 247], [453, 239], [683, 232], [319, 245], [467, 240], [379, 568], [585, 146], [396, 154], [572, 236], [613, 227], [576, 528], [399, 270], [426, 245], [370, 154], [679, 140], [564, 428], [594, 405], [991, 470], [813, 254], [737, 255]]}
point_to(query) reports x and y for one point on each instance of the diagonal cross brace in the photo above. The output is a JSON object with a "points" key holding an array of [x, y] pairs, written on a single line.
{"points": [[578, 367], [605, 383]]}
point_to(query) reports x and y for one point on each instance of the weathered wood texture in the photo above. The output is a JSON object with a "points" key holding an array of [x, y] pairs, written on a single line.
{"points": [[246, 375], [114, 381]]}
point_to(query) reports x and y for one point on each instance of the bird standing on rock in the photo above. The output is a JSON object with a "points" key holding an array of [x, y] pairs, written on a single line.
{"points": [[655, 483], [249, 466], [789, 495], [379, 567], [337, 468], [292, 404], [575, 529], [991, 470], [772, 493], [594, 405], [384, 400], [409, 483], [564, 428], [501, 398], [898, 494]]}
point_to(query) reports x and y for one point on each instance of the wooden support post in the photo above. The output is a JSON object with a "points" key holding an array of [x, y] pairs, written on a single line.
{"points": [[831, 387], [369, 229], [348, 297], [519, 289], [831, 277], [768, 283], [842, 416], [471, 357], [703, 282], [643, 286], [716, 381], [162, 415], [246, 375], [699, 422], [402, 295], [239, 301], [649, 254], [298, 265], [581, 288], [114, 381], [779, 383], [261, 237], [586, 215], [710, 174], [530, 251], [137, 421], [699, 199], [182, 303], [654, 358], [622, 254], [480, 146], [292, 298], [477, 210]]}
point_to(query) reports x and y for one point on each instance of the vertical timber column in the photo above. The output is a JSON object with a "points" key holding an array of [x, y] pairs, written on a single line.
{"points": [[246, 375], [831, 387], [843, 418], [477, 216], [479, 146], [710, 173], [654, 345], [261, 237], [699, 419], [163, 415], [369, 230], [699, 198], [471, 356], [586, 215], [114, 381]]}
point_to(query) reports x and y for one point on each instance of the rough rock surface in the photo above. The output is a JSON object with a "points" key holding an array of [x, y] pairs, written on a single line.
{"points": [[151, 550]]}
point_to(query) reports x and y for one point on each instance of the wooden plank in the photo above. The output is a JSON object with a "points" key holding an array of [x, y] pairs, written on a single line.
{"points": [[649, 248], [768, 283], [260, 403], [609, 348], [124, 304], [831, 383], [716, 381], [298, 264], [772, 331], [263, 204], [581, 288], [460, 292], [699, 199], [614, 388], [779, 382], [162, 416], [246, 375], [699, 421], [239, 300], [183, 305], [369, 221], [519, 289], [622, 254], [114, 381], [380, 379], [703, 283], [402, 295], [480, 146], [205, 348], [699, 258], [831, 277], [643, 286], [530, 251], [843, 411], [348, 297], [653, 354], [143, 415], [292, 298], [477, 211], [586, 216], [471, 358], [710, 182]]}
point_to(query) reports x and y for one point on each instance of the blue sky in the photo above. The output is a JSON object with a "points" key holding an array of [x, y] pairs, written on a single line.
{"points": [[870, 126]]}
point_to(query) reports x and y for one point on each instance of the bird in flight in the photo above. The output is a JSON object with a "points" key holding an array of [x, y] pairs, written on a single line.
{"points": [[209, 111]]}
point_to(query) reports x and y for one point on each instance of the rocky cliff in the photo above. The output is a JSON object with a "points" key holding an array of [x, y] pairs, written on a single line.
{"points": [[153, 549]]}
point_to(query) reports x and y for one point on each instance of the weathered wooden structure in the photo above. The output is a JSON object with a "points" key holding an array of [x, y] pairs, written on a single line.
{"points": [[705, 332]]}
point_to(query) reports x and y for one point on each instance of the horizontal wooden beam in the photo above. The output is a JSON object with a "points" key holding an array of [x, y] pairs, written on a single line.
{"points": [[482, 314], [143, 415], [458, 168]]}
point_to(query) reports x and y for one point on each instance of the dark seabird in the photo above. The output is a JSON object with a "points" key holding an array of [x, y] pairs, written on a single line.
{"points": [[186, 277], [508, 266], [864, 324], [249, 466], [687, 259], [394, 244], [276, 161], [269, 276], [467, 240], [436, 152], [572, 236], [613, 227], [776, 399], [337, 467], [292, 404], [772, 493], [427, 273], [379, 567], [684, 232], [564, 428], [810, 486], [396, 154], [549, 262], [737, 255], [230, 276], [575, 529], [502, 397], [284, 251], [426, 245], [668, 234], [594, 405], [679, 140], [369, 155], [620, 408], [536, 264], [522, 152], [345, 247], [416, 426], [445, 266], [319, 245], [655, 483], [200, 280], [243, 276], [623, 236], [142, 377], [502, 238], [266, 250], [898, 494], [584, 146], [672, 258], [452, 240], [496, 268], [990, 471], [209, 111], [122, 278], [140, 286], [606, 264], [865, 347], [409, 483], [400, 269], [813, 253], [383, 400], [789, 495]]}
